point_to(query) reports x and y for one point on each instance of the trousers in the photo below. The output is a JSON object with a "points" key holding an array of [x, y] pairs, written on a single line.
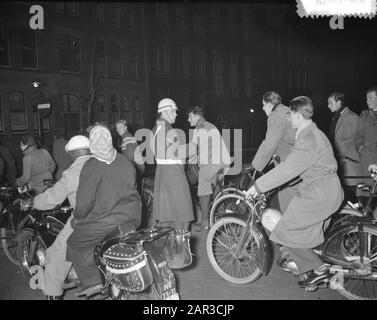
{"points": [[57, 268], [306, 259]]}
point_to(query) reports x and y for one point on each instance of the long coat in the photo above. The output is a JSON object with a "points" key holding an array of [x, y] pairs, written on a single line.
{"points": [[344, 144], [366, 136], [212, 154], [172, 197], [279, 140], [37, 166], [319, 195]]}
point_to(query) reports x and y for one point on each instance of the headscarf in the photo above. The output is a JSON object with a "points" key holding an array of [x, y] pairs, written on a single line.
{"points": [[101, 144]]}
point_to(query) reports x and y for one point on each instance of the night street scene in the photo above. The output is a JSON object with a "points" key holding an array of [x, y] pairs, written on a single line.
{"points": [[187, 151]]}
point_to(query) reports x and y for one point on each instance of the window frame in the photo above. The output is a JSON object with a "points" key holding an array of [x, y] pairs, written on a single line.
{"points": [[7, 45], [11, 112], [78, 53]]}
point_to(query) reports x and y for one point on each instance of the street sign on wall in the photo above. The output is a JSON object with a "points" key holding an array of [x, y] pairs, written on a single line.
{"points": [[44, 109]]}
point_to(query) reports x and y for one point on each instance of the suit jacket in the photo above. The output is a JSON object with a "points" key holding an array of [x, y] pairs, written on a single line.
{"points": [[366, 136], [279, 140], [344, 144]]}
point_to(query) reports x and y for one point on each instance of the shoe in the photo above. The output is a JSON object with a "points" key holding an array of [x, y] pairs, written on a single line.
{"points": [[89, 291], [288, 265], [199, 227], [313, 278], [54, 297]]}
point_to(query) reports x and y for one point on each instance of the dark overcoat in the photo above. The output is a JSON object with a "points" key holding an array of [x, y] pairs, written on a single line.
{"points": [[172, 198]]}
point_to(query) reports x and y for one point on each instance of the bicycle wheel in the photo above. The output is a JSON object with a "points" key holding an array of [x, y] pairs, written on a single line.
{"points": [[345, 246], [232, 203], [10, 236], [24, 252], [228, 190], [222, 242], [9, 244]]}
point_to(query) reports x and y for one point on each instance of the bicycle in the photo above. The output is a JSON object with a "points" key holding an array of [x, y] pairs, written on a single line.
{"points": [[12, 220], [240, 251]]}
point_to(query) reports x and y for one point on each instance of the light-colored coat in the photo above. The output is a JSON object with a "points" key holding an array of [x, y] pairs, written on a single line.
{"points": [[345, 133], [37, 166], [279, 140], [319, 195], [66, 187], [212, 156]]}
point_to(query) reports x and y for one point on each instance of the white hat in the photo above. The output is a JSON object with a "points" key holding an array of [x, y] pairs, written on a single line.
{"points": [[76, 143], [166, 104]]}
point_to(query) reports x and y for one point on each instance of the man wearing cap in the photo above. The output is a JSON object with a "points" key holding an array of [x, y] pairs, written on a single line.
{"points": [[56, 266], [107, 201], [128, 146], [172, 203]]}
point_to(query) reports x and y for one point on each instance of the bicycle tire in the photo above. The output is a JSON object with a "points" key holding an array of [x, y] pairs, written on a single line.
{"points": [[22, 250], [245, 270], [342, 245], [227, 204]]}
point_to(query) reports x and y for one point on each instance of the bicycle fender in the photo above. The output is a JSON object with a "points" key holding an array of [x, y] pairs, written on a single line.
{"points": [[264, 258]]}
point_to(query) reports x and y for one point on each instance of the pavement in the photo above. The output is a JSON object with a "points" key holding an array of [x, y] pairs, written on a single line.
{"points": [[197, 282]]}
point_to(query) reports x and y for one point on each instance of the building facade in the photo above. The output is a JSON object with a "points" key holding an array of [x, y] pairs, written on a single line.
{"points": [[105, 61]]}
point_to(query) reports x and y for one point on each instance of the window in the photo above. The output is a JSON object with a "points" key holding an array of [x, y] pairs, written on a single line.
{"points": [[183, 61], [234, 83], [115, 60], [215, 18], [4, 54], [199, 24], [1, 117], [17, 111], [114, 109], [71, 103], [68, 7], [100, 57], [162, 14], [115, 16], [28, 48], [132, 63], [38, 98], [72, 113], [130, 16], [69, 53], [138, 112], [101, 112], [181, 19], [126, 109], [99, 12], [200, 64], [162, 55], [217, 65]]}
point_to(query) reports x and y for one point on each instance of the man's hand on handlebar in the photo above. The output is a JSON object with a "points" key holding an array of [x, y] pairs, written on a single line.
{"points": [[252, 192], [372, 168]]}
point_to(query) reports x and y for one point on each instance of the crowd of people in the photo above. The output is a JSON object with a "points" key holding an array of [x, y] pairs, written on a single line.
{"points": [[102, 181]]}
